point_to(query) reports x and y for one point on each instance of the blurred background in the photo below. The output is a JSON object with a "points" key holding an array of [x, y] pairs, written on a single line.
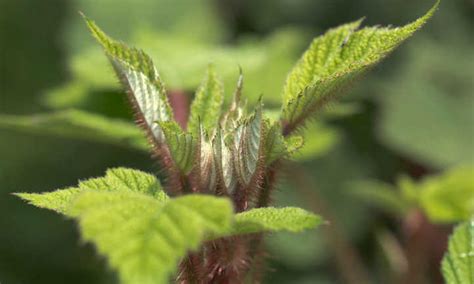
{"points": [[379, 165]]}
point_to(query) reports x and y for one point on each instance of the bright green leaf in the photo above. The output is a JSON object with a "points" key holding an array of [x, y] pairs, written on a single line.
{"points": [[206, 107], [59, 200], [116, 179], [335, 59], [127, 180], [316, 61], [458, 262], [269, 219], [143, 238]]}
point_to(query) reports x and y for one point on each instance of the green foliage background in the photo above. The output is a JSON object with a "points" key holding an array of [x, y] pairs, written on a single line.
{"points": [[412, 115]]}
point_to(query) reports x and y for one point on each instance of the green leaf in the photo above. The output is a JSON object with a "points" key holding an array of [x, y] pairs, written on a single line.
{"points": [[232, 119], [123, 179], [116, 179], [206, 107], [335, 59], [448, 197], [143, 238], [269, 219], [182, 145], [313, 65], [78, 124], [59, 200], [142, 232], [458, 262], [140, 78]]}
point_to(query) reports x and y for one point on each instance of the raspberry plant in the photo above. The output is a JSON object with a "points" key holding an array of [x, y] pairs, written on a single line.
{"points": [[206, 224]]}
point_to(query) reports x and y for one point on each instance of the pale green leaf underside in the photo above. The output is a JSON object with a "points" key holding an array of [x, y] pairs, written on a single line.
{"points": [[247, 142], [206, 162], [458, 262], [223, 160], [206, 107], [182, 145], [270, 219], [335, 59], [140, 78], [78, 124], [144, 239]]}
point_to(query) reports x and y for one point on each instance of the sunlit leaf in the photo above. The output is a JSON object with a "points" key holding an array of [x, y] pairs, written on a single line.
{"points": [[206, 107], [143, 238], [458, 262], [335, 59]]}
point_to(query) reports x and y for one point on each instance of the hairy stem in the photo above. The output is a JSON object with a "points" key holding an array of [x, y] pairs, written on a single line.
{"points": [[191, 269], [264, 196]]}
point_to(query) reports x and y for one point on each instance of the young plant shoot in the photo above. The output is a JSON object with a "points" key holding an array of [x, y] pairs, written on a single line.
{"points": [[205, 222]]}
